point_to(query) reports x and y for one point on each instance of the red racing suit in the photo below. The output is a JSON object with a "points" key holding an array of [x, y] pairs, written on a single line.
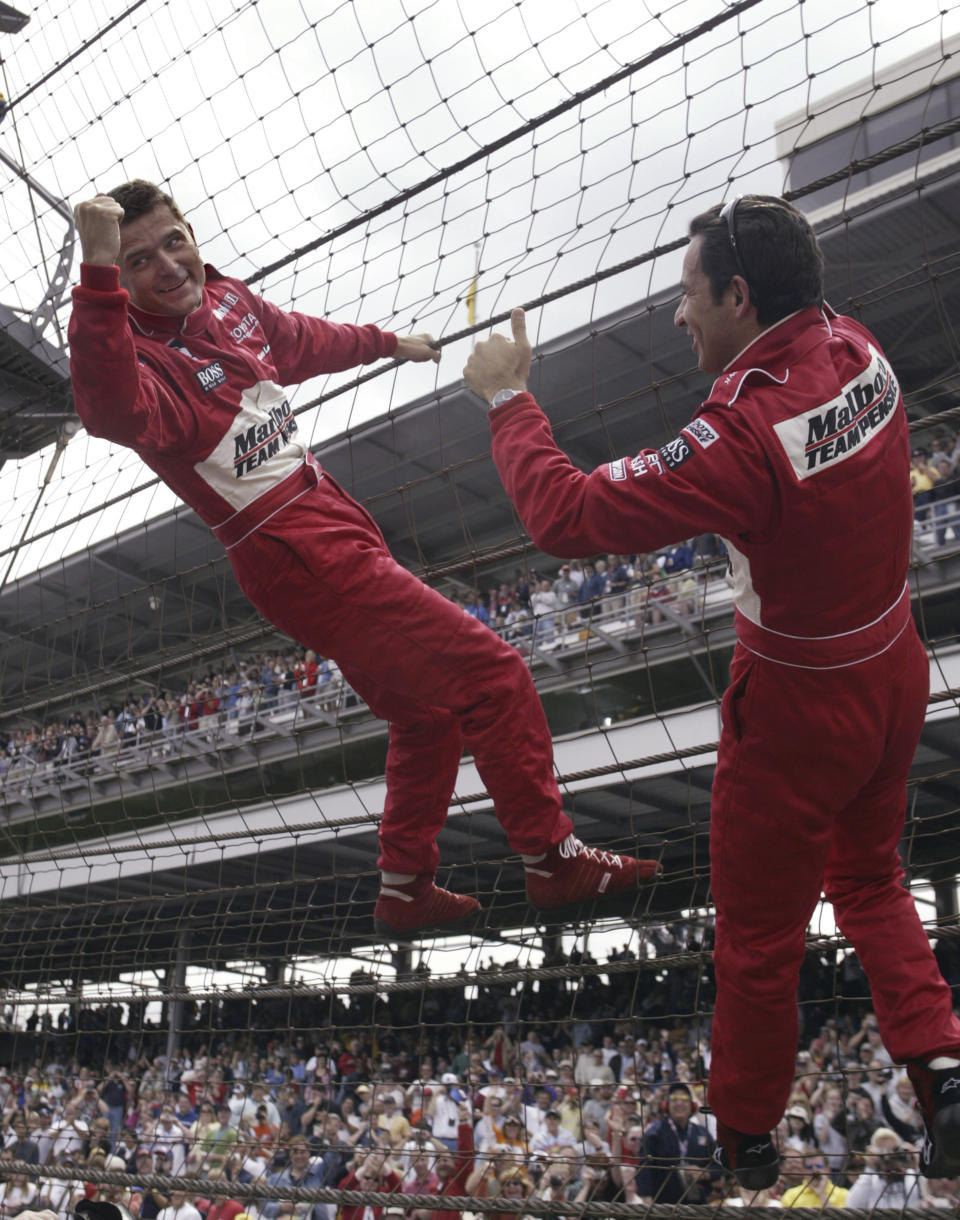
{"points": [[199, 399], [799, 459]]}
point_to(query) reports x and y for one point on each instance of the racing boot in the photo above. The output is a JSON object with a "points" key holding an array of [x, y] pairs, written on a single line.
{"points": [[570, 873], [938, 1094], [752, 1159], [415, 904]]}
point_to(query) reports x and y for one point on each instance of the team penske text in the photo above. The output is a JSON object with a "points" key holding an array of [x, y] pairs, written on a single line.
{"points": [[832, 431], [260, 442]]}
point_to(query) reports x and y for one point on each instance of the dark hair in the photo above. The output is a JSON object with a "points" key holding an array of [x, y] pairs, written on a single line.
{"points": [[139, 197], [776, 252]]}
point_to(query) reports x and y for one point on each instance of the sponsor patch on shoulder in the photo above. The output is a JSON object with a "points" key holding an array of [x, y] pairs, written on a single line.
{"points": [[675, 453], [211, 376], [701, 432], [229, 300], [835, 430], [618, 470]]}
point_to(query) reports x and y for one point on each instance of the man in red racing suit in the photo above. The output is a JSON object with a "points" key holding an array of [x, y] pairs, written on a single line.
{"points": [[185, 366], [799, 459]]}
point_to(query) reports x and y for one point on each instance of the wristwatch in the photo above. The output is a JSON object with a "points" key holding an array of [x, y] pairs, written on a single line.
{"points": [[503, 396]]}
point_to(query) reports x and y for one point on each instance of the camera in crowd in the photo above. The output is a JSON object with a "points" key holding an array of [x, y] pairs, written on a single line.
{"points": [[897, 1163]]}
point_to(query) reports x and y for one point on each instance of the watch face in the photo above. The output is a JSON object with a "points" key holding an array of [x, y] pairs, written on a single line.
{"points": [[503, 396]]}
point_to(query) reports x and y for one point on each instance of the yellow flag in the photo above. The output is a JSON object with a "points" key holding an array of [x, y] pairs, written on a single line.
{"points": [[471, 299]]}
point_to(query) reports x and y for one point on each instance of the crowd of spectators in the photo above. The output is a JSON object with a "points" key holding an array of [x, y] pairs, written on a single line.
{"points": [[432, 1094], [935, 482], [540, 607], [227, 702], [534, 609], [224, 701]]}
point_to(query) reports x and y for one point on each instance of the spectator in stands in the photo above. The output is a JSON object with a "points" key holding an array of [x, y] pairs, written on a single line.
{"points": [[352, 1063], [392, 1121], [596, 1184], [592, 589], [488, 1131], [305, 673], [567, 590], [372, 1171], [660, 593], [333, 1142], [552, 1138], [17, 1194], [68, 1133], [829, 1126], [475, 608], [113, 1094], [301, 1173], [597, 1104], [18, 1140], [923, 479], [600, 1071], [799, 1133], [260, 1137], [218, 1140], [106, 743], [152, 1200], [517, 625], [685, 592], [890, 1178], [868, 1043], [298, 1108], [60, 1196], [816, 1189], [221, 1207], [545, 605], [899, 1109], [179, 1208], [557, 1182], [169, 1133], [862, 1120], [452, 1169], [618, 580], [676, 1153], [442, 1112], [677, 558], [946, 508]]}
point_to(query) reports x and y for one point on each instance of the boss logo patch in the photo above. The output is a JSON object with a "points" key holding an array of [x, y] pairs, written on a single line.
{"points": [[675, 453], [211, 376]]}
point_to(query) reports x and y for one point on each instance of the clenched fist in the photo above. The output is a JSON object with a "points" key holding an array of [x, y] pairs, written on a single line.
{"points": [[98, 226]]}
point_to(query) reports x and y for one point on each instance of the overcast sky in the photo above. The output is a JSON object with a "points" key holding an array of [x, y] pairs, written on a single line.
{"points": [[276, 123]]}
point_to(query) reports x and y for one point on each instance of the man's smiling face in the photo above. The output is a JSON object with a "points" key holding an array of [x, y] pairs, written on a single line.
{"points": [[160, 265], [712, 325]]}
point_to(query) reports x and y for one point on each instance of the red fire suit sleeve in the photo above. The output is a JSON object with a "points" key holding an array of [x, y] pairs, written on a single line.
{"points": [[303, 346], [714, 476], [116, 395]]}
